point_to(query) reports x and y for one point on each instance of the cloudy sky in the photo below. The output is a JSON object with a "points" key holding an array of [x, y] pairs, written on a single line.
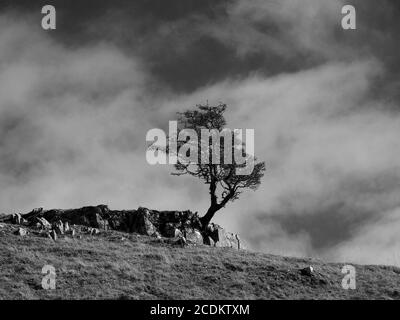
{"points": [[76, 103]]}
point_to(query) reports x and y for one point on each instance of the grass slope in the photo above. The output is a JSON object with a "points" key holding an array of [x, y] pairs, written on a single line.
{"points": [[138, 267]]}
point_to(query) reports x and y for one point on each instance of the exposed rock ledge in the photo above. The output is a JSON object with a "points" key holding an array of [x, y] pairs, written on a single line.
{"points": [[183, 226]]}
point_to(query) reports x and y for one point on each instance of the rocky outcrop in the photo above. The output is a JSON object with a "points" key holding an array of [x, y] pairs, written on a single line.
{"points": [[183, 227]]}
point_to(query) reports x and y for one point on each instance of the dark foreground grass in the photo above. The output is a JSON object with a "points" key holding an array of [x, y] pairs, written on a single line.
{"points": [[116, 265]]}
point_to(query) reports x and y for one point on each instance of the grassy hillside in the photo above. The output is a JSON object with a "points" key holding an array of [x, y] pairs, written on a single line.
{"points": [[115, 265]]}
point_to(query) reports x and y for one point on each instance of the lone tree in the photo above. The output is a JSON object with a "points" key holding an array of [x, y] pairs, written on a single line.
{"points": [[223, 176]]}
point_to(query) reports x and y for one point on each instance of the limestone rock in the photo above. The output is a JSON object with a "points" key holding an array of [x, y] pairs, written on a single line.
{"points": [[21, 232], [58, 227], [171, 231], [53, 235], [222, 238], [193, 236], [307, 271], [42, 223], [168, 224], [66, 227], [140, 222], [16, 218], [37, 210]]}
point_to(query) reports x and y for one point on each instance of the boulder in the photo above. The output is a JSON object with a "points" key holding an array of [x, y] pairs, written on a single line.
{"points": [[58, 227], [42, 223], [94, 231], [193, 236], [53, 235], [16, 218], [101, 223], [307, 271], [21, 232], [147, 228], [240, 244], [66, 227]]}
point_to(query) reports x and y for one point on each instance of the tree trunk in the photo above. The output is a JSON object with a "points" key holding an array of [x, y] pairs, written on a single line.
{"points": [[205, 220]]}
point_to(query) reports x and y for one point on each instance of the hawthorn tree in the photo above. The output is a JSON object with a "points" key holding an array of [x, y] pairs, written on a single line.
{"points": [[225, 184]]}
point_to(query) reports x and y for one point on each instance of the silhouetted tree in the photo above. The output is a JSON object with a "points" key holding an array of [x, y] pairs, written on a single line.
{"points": [[225, 184]]}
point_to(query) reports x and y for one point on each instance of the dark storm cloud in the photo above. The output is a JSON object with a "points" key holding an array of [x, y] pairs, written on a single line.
{"points": [[75, 105], [188, 44]]}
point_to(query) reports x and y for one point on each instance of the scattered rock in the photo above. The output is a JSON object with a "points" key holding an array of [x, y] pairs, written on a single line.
{"points": [[93, 231], [307, 271], [53, 235], [21, 232]]}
